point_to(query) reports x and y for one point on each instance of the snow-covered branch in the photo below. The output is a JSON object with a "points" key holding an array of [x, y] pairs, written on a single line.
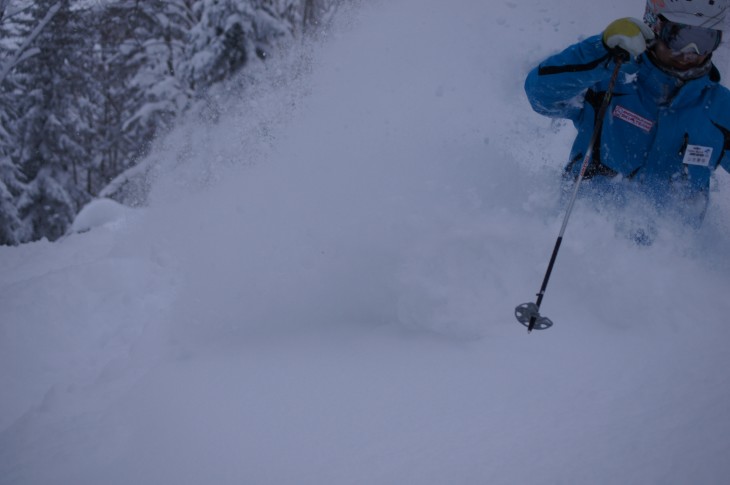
{"points": [[20, 54]]}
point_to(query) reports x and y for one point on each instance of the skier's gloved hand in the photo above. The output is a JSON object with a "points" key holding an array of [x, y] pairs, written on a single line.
{"points": [[627, 35]]}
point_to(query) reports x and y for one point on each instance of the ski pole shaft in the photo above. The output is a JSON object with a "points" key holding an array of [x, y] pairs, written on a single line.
{"points": [[586, 160]]}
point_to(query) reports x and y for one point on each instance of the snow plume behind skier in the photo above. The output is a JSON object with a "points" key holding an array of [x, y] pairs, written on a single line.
{"points": [[667, 128]]}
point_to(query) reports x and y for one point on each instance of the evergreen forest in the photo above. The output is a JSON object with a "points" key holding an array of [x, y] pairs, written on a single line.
{"points": [[87, 85]]}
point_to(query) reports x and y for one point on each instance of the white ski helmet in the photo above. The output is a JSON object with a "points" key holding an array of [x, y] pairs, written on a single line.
{"points": [[709, 14]]}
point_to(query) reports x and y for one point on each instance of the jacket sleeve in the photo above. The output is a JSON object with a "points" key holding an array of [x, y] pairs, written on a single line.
{"points": [[556, 87], [723, 124], [726, 157], [719, 114]]}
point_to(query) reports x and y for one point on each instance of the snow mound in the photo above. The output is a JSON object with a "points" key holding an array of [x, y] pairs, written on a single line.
{"points": [[100, 212]]}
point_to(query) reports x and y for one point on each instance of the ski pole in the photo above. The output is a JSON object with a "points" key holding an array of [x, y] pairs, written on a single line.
{"points": [[528, 314]]}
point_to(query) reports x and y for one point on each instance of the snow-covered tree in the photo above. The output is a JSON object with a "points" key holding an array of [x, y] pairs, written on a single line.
{"points": [[46, 208], [20, 27], [134, 62], [153, 48], [10, 189], [86, 86], [227, 35], [54, 126], [11, 31]]}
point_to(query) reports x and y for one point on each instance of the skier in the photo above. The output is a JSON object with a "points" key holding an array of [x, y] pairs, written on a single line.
{"points": [[667, 127]]}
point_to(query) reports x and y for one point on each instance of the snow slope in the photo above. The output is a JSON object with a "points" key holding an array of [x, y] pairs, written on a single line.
{"points": [[322, 288]]}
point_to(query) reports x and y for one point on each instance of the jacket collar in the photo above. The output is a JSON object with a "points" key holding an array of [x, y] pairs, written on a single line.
{"points": [[664, 89]]}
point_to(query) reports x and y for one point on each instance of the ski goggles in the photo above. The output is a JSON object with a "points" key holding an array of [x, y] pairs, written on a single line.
{"points": [[682, 38]]}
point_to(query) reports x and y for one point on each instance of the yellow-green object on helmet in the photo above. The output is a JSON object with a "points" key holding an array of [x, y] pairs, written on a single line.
{"points": [[628, 34]]}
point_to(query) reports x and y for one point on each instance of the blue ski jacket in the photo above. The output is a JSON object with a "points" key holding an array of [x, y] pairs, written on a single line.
{"points": [[662, 133]]}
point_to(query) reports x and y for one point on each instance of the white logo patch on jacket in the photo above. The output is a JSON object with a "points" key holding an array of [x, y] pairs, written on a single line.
{"points": [[698, 155]]}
